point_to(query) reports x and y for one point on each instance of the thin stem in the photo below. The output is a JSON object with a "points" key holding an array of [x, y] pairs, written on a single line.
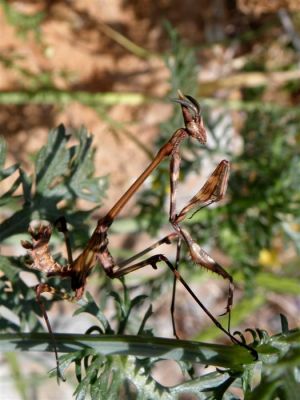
{"points": [[44, 312]]}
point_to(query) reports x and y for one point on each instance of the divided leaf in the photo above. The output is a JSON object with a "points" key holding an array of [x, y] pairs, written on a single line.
{"points": [[62, 173]]}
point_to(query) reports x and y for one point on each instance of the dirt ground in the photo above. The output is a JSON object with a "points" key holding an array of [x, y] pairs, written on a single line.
{"points": [[75, 51], [73, 45]]}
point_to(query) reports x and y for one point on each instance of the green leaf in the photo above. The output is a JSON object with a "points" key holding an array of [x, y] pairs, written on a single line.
{"points": [[52, 162], [5, 172], [143, 346], [62, 173], [92, 308]]}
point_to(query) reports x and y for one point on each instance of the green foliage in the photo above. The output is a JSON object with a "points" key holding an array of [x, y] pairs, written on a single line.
{"points": [[109, 364], [23, 22], [264, 186], [66, 172], [61, 173], [263, 195]]}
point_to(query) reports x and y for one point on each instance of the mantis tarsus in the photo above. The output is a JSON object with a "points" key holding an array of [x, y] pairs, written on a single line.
{"points": [[97, 250]]}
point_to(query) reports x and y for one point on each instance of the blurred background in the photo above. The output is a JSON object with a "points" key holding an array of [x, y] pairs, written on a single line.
{"points": [[112, 67]]}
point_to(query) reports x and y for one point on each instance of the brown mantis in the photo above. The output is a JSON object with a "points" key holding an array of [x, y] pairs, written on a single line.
{"points": [[97, 250]]}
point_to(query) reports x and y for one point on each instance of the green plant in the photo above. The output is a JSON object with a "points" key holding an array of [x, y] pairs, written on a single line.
{"points": [[23, 23], [63, 172]]}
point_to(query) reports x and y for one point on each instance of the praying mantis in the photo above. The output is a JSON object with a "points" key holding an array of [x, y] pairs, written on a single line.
{"points": [[97, 251]]}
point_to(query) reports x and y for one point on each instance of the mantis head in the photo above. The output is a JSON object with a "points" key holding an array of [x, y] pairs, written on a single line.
{"points": [[192, 117]]}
